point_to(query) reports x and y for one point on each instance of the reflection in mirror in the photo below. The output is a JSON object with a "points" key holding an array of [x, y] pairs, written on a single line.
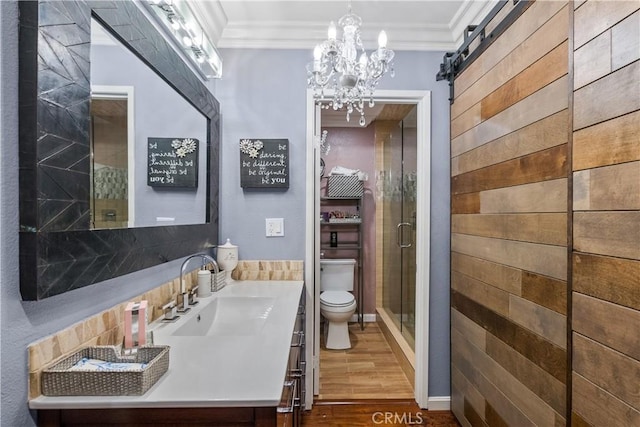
{"points": [[110, 172], [157, 111]]}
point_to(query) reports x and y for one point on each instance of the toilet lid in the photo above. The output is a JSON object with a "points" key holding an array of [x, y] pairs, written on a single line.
{"points": [[337, 298]]}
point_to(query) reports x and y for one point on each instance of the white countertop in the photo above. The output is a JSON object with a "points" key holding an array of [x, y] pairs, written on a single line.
{"points": [[214, 371]]}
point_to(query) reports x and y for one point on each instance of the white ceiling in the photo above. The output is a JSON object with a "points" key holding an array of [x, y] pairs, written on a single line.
{"points": [[423, 25], [301, 24]]}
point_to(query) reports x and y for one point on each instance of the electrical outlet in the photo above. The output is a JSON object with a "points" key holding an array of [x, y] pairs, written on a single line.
{"points": [[274, 227]]}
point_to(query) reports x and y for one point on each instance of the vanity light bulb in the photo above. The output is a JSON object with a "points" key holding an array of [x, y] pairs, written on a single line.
{"points": [[186, 40], [175, 24]]}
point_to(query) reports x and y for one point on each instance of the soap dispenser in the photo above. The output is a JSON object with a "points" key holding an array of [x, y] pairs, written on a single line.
{"points": [[227, 259], [204, 282]]}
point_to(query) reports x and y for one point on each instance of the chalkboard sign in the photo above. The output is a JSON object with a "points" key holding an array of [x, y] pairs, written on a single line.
{"points": [[264, 163], [172, 162]]}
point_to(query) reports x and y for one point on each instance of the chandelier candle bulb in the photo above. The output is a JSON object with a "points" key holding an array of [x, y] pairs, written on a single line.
{"points": [[317, 56], [332, 31], [382, 40], [363, 63]]}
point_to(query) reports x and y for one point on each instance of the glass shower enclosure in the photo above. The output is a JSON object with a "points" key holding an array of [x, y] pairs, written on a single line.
{"points": [[397, 183]]}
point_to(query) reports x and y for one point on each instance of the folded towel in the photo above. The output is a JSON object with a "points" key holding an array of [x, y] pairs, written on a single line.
{"points": [[86, 364], [340, 170]]}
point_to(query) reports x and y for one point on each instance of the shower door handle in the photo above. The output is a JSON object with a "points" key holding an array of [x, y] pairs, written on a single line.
{"points": [[399, 235]]}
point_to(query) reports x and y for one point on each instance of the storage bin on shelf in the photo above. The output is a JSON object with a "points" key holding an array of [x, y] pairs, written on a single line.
{"points": [[344, 186]]}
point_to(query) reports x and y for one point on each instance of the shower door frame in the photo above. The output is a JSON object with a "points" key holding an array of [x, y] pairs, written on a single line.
{"points": [[422, 100], [396, 251]]}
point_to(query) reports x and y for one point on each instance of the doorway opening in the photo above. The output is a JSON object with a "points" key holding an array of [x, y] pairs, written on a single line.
{"points": [[112, 157], [402, 115]]}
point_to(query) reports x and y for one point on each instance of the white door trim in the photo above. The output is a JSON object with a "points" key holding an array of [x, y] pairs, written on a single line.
{"points": [[312, 263], [423, 205]]}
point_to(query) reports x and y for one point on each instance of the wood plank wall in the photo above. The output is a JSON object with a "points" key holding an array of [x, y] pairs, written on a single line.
{"points": [[545, 122], [606, 214], [509, 244]]}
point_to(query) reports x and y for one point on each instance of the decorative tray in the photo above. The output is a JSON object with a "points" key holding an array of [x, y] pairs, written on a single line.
{"points": [[65, 378]]}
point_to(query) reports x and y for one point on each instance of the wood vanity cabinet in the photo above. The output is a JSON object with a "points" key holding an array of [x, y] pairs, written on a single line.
{"points": [[293, 395], [178, 417]]}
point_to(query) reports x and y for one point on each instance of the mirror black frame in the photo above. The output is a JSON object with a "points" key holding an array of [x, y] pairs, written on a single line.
{"points": [[58, 251]]}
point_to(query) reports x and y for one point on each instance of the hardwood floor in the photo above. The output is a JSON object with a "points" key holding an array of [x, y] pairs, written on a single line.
{"points": [[375, 413], [365, 386], [368, 370]]}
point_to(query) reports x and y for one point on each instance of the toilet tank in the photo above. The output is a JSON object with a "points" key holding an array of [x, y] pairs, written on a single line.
{"points": [[336, 274]]}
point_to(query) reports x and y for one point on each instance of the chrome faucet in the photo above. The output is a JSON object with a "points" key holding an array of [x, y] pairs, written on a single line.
{"points": [[184, 307]]}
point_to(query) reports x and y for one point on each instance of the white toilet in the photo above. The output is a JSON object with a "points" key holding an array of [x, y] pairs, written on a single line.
{"points": [[337, 303]]}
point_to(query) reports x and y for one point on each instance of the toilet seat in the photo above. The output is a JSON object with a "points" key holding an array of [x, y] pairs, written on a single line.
{"points": [[337, 299]]}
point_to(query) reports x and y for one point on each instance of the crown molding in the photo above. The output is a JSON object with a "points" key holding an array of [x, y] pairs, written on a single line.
{"points": [[305, 35], [212, 17], [472, 12]]}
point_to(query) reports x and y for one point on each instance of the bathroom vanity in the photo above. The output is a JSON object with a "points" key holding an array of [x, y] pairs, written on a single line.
{"points": [[236, 358]]}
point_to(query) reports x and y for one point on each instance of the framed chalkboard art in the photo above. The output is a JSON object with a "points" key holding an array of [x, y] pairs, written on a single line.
{"points": [[172, 162], [264, 163]]}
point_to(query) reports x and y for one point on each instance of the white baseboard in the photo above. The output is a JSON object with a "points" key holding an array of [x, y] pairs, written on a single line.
{"points": [[439, 403], [367, 318]]}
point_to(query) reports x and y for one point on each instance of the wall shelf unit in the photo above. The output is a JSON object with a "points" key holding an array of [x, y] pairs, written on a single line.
{"points": [[344, 216]]}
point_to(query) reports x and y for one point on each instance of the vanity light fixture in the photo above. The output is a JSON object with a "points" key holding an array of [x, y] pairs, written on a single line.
{"points": [[179, 21], [336, 66]]}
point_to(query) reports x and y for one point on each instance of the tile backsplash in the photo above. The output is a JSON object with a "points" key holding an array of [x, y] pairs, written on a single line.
{"points": [[269, 270], [107, 327]]}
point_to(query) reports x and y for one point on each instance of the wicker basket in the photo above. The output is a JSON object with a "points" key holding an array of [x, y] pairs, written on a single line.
{"points": [[219, 280], [59, 380], [344, 186]]}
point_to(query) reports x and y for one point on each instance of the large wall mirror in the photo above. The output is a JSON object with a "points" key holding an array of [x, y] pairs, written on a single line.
{"points": [[119, 146]]}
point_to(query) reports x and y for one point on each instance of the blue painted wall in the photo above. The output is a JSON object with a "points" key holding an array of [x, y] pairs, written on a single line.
{"points": [[262, 95]]}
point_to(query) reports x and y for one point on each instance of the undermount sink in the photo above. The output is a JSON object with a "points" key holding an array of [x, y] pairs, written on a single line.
{"points": [[228, 316]]}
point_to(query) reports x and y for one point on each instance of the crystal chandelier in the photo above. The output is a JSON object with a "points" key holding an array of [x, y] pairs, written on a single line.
{"points": [[336, 66]]}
